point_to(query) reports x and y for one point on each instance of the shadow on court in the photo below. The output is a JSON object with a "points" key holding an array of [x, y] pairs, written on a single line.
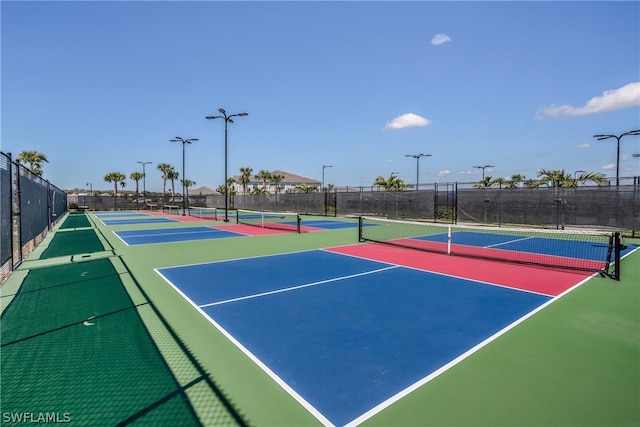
{"points": [[79, 344]]}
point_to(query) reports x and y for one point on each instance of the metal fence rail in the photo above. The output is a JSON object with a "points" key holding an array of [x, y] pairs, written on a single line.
{"points": [[29, 207]]}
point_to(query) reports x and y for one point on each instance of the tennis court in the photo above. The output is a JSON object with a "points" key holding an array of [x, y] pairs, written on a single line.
{"points": [[169, 235], [317, 328], [381, 328]]}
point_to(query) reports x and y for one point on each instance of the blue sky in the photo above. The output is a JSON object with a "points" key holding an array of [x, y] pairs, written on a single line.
{"points": [[99, 86]]}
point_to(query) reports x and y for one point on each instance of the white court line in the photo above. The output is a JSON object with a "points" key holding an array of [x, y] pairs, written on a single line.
{"points": [[398, 396], [212, 230], [293, 288], [275, 377], [439, 273], [509, 242]]}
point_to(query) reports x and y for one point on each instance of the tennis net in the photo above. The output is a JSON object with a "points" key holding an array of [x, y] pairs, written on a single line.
{"points": [[214, 214], [286, 221], [585, 250]]}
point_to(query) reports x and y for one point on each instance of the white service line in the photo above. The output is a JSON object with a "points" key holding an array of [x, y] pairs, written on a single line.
{"points": [[293, 288]]}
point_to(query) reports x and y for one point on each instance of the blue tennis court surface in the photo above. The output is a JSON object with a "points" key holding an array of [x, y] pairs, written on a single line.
{"points": [[328, 224], [143, 220], [111, 213], [168, 235], [343, 334]]}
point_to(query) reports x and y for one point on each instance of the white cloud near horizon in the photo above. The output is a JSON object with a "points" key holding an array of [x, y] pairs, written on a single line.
{"points": [[438, 39], [444, 173], [584, 146], [608, 167], [408, 120], [616, 99]]}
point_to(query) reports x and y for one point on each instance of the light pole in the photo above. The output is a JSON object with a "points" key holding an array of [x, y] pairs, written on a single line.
{"points": [[618, 138], [90, 190], [417, 157], [483, 168], [144, 182], [227, 119], [184, 142], [323, 168]]}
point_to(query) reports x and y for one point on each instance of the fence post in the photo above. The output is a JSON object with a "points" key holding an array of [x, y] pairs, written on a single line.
{"points": [[16, 204]]}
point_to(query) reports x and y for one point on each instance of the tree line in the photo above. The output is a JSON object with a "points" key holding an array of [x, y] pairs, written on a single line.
{"points": [[545, 177]]}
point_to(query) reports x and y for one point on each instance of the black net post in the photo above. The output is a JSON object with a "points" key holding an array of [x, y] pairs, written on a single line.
{"points": [[617, 246]]}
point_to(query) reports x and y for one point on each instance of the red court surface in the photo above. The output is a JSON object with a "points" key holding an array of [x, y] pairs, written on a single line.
{"points": [[546, 281], [507, 255], [174, 216], [250, 230]]}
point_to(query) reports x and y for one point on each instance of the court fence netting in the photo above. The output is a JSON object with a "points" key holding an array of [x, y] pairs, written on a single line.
{"points": [[583, 250], [581, 205], [29, 207]]}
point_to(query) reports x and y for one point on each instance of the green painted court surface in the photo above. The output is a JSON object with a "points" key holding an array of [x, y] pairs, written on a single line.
{"points": [[89, 328]]}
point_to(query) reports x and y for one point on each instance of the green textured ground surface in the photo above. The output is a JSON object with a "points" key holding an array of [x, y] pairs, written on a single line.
{"points": [[575, 363]]}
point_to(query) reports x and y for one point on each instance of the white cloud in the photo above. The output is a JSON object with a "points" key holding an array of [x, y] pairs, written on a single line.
{"points": [[444, 173], [609, 167], [616, 99], [408, 120], [584, 146], [438, 39]]}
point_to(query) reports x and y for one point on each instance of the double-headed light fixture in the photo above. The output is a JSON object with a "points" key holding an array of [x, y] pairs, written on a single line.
{"points": [[227, 119], [144, 183], [618, 138], [417, 157], [483, 168], [184, 177]]}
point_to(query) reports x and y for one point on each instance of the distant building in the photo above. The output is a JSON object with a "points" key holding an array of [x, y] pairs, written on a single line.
{"points": [[201, 191], [287, 185]]}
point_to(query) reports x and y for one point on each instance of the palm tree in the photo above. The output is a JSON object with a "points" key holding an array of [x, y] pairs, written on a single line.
{"points": [[232, 189], [137, 176], [380, 181], [393, 183], [173, 175], [187, 183], [116, 178], [257, 190], [305, 188], [514, 181], [165, 168], [499, 182], [276, 179], [245, 178], [34, 159], [263, 176], [597, 178], [557, 178], [487, 182]]}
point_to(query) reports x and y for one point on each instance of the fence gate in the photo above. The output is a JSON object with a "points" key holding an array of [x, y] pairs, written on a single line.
{"points": [[445, 202]]}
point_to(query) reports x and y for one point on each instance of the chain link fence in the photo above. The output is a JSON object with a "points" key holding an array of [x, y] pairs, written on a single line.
{"points": [[29, 206], [609, 205]]}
